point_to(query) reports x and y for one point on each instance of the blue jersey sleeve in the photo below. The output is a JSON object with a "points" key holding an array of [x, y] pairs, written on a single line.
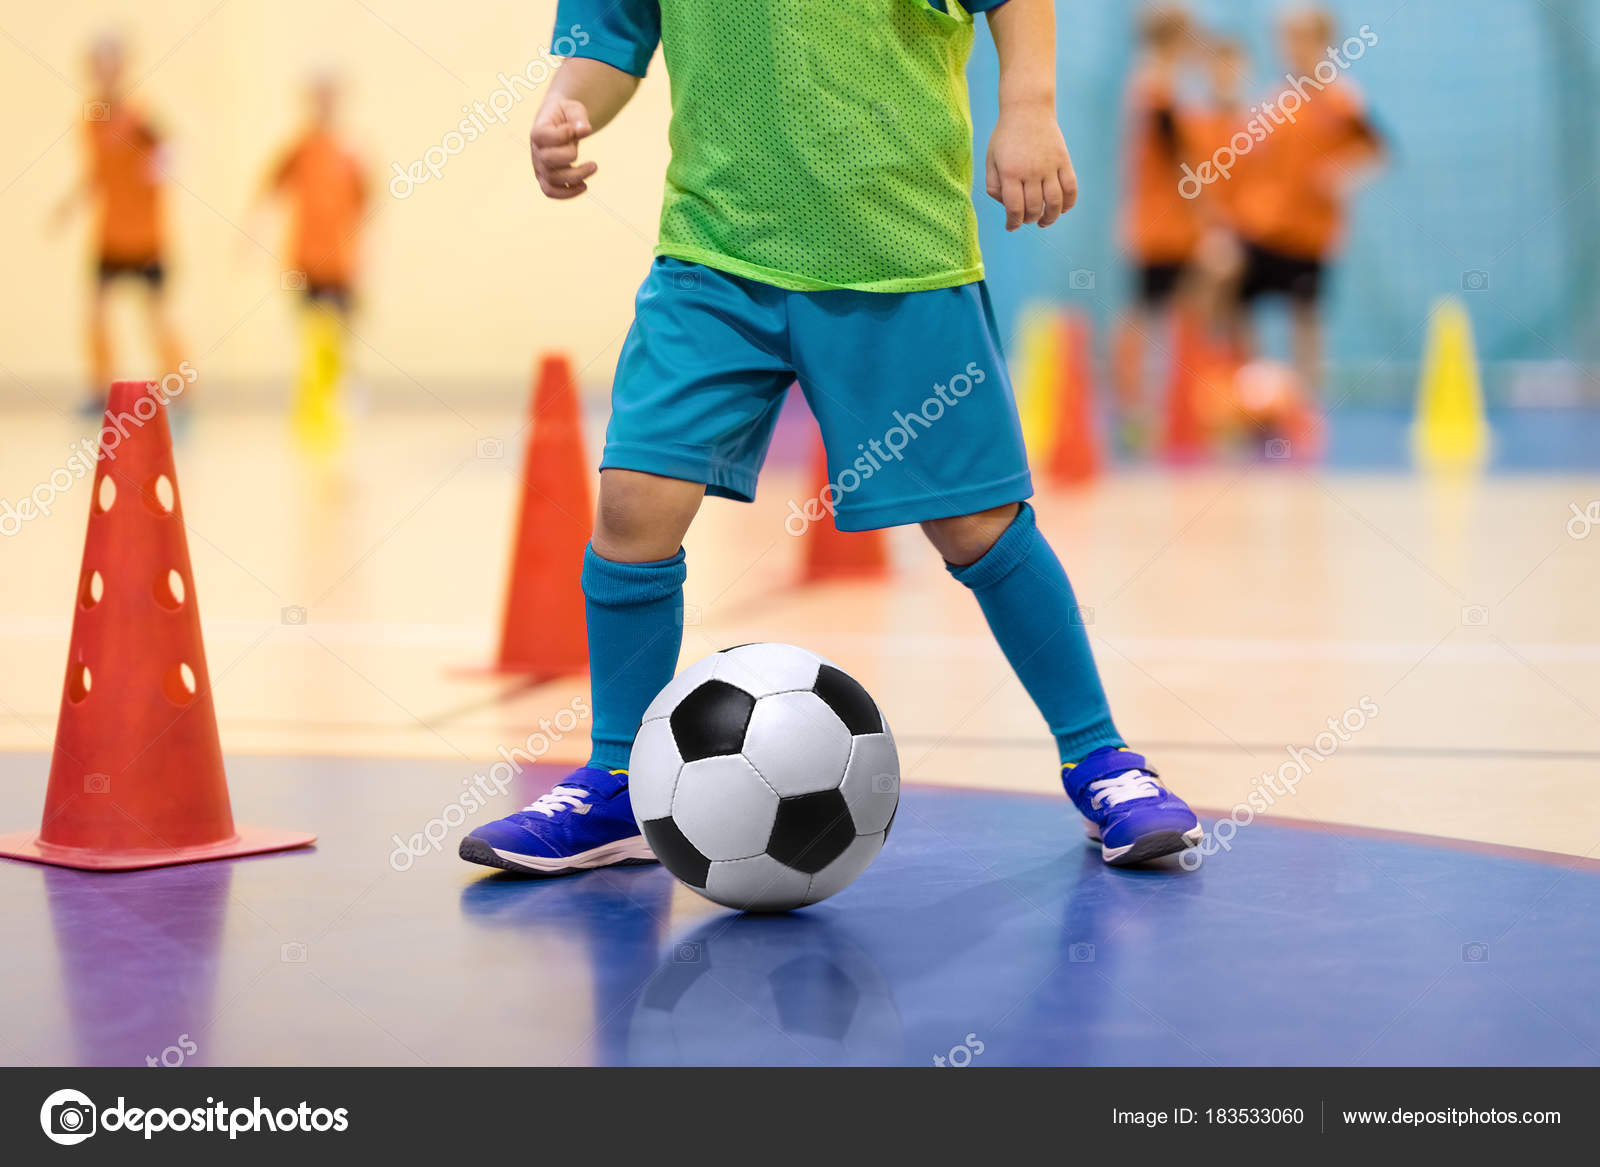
{"points": [[619, 33]]}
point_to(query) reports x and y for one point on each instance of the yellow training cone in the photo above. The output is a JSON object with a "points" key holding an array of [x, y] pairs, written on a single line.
{"points": [[1450, 429], [1039, 362]]}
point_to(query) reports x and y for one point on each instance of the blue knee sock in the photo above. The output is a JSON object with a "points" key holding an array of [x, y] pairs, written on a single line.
{"points": [[635, 617], [1030, 607]]}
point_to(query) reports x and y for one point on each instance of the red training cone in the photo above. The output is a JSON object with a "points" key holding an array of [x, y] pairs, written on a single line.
{"points": [[1186, 430], [542, 635], [834, 554], [136, 779], [1075, 458]]}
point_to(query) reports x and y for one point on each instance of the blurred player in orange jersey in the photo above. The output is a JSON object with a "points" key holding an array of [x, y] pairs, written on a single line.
{"points": [[1290, 211], [123, 182], [1211, 130], [1160, 228], [324, 186]]}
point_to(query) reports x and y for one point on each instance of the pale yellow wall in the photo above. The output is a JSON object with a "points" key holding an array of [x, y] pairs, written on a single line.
{"points": [[466, 277]]}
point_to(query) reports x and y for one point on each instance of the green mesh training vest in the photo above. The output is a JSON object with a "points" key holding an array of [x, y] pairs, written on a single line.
{"points": [[821, 143]]}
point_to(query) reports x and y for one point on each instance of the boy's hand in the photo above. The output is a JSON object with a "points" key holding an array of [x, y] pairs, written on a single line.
{"points": [[553, 142], [1029, 169]]}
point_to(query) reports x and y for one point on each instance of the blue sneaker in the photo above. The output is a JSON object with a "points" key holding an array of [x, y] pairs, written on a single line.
{"points": [[585, 822], [1126, 809]]}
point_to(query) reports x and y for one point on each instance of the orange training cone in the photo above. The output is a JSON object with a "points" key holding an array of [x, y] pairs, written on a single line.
{"points": [[834, 554], [1185, 437], [1075, 457], [542, 635], [136, 779]]}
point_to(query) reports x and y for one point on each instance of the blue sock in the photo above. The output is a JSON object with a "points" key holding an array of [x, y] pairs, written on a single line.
{"points": [[1030, 607], [635, 617]]}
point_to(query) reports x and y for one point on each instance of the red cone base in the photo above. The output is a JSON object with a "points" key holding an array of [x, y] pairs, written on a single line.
{"points": [[248, 841]]}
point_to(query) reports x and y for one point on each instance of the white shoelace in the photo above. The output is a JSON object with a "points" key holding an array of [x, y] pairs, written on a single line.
{"points": [[1129, 784], [562, 798]]}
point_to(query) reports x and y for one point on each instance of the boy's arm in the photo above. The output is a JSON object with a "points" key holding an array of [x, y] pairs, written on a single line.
{"points": [[583, 97], [1029, 169]]}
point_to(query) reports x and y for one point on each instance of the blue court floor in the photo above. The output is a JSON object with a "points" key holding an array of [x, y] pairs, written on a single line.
{"points": [[986, 932]]}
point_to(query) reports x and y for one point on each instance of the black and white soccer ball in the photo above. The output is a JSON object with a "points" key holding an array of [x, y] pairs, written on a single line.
{"points": [[764, 777]]}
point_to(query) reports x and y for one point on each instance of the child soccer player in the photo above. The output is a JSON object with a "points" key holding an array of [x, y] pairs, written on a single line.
{"points": [[324, 184], [123, 181], [1160, 228], [1291, 211], [818, 225]]}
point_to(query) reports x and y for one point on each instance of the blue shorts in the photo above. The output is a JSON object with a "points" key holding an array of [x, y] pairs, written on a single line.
{"points": [[910, 390]]}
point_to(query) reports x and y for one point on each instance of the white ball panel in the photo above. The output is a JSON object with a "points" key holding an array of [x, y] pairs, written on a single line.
{"points": [[768, 668], [724, 808], [797, 743], [872, 781], [653, 770], [841, 873], [757, 884], [680, 687]]}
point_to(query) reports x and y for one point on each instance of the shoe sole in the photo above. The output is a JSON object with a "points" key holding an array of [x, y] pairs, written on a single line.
{"points": [[1151, 846], [622, 853]]}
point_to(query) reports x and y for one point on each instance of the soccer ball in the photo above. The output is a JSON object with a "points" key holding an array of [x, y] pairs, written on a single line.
{"points": [[764, 777]]}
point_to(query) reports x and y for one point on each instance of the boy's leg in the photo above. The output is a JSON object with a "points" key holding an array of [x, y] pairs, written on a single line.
{"points": [[1028, 602], [633, 573]]}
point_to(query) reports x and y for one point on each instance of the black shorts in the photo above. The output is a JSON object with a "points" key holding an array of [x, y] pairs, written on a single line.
{"points": [[336, 296], [1158, 282], [151, 271], [1272, 273]]}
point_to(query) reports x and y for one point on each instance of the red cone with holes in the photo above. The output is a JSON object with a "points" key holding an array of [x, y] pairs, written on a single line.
{"points": [[136, 779], [834, 554], [542, 635]]}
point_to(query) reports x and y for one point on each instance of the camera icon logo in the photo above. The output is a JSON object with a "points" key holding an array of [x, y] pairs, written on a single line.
{"points": [[293, 281], [97, 783], [686, 280], [1277, 448], [689, 615], [293, 614], [1081, 953], [489, 449], [1475, 616], [67, 1117], [96, 111], [1081, 280], [686, 953], [1475, 952], [1083, 615], [885, 783], [1474, 281], [293, 952]]}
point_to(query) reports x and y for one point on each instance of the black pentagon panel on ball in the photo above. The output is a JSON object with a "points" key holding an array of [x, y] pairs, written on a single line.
{"points": [[811, 831], [680, 856], [710, 722], [855, 707]]}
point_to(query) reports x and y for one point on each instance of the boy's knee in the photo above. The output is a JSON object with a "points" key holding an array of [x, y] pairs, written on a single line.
{"points": [[643, 517], [965, 539]]}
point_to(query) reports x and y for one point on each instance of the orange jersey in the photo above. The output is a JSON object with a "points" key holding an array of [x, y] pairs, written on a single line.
{"points": [[1208, 131], [1159, 225], [125, 179], [1294, 200], [327, 191]]}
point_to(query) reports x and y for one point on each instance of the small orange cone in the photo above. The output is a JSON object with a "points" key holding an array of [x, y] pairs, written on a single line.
{"points": [[542, 634], [832, 554], [1075, 458], [136, 777], [1186, 430]]}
